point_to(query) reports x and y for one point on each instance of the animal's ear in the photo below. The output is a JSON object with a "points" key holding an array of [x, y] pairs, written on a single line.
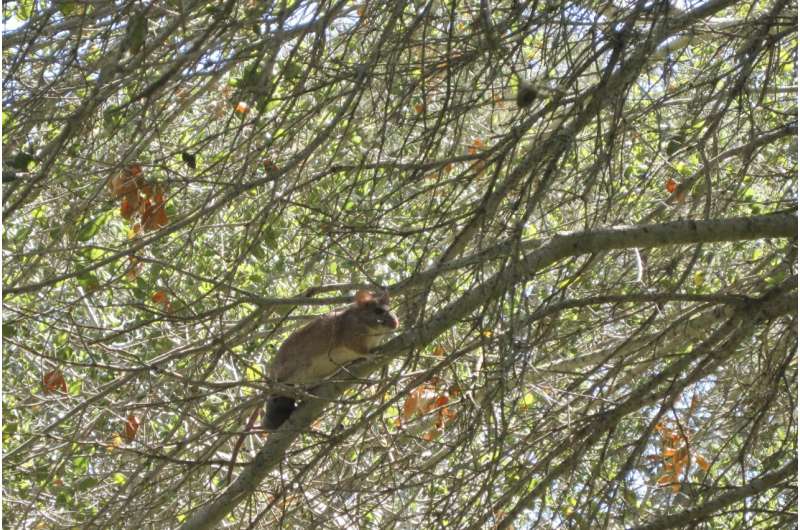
{"points": [[363, 296], [384, 299]]}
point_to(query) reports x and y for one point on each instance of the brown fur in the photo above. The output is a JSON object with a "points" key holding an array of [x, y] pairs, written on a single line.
{"points": [[329, 342]]}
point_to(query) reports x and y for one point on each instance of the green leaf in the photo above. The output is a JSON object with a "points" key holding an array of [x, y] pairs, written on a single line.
{"points": [[88, 281], [74, 388], [70, 8], [140, 291], [80, 465], [86, 484], [9, 330], [250, 76], [137, 31], [528, 400], [24, 9], [9, 429], [292, 71], [254, 373], [271, 237], [112, 118], [88, 230]]}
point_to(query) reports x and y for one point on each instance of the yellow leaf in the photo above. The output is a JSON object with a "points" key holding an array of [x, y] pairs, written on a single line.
{"points": [[116, 442]]}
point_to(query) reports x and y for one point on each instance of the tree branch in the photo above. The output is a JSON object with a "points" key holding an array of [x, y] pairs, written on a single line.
{"points": [[704, 511], [560, 247]]}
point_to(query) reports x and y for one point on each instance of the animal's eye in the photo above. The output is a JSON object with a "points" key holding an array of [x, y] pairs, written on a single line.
{"points": [[379, 310]]}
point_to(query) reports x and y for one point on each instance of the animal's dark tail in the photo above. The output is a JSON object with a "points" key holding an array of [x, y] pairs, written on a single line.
{"points": [[279, 408]]}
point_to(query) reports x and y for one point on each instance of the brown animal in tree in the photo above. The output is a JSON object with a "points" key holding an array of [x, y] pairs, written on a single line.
{"points": [[324, 345]]}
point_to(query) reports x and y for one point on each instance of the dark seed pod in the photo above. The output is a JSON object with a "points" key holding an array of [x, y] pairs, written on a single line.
{"points": [[189, 159], [526, 94]]}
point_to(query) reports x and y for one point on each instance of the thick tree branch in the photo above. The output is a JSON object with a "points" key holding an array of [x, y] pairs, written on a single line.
{"points": [[707, 510], [568, 245]]}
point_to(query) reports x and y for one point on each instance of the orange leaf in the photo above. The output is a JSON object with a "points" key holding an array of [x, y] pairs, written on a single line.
{"points": [[695, 402], [431, 435], [419, 400], [133, 268], [479, 166], [671, 184], [154, 216], [427, 402], [666, 434], [160, 216], [676, 487], [663, 480], [134, 170], [448, 414], [419, 108], [131, 427], [476, 145], [242, 107], [128, 207], [441, 401], [667, 452], [160, 297], [445, 416], [125, 183], [702, 462], [438, 351], [410, 405], [147, 190], [53, 381]]}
